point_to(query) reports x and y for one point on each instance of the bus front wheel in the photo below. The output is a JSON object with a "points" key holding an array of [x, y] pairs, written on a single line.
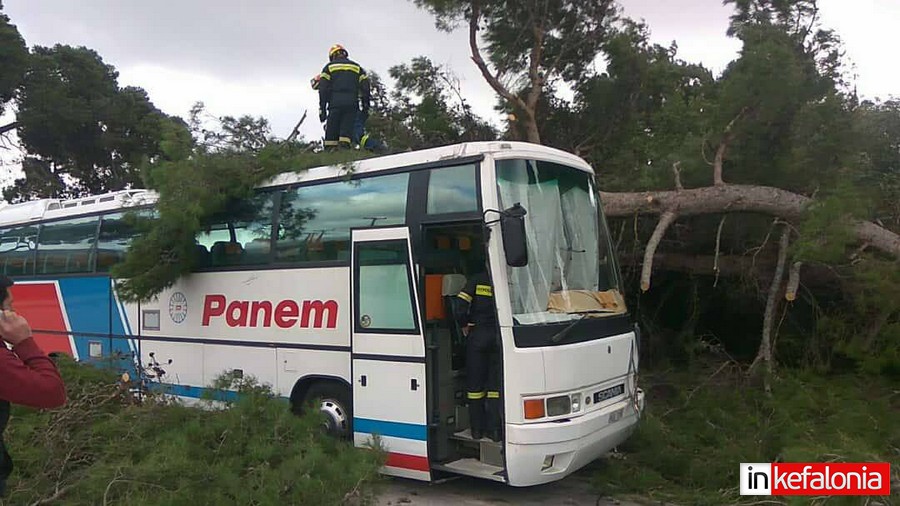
{"points": [[334, 405]]}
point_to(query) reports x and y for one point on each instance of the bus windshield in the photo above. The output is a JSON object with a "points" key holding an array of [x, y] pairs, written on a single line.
{"points": [[571, 271]]}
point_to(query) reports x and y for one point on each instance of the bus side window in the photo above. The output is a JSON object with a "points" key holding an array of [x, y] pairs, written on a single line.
{"points": [[112, 243], [17, 250], [452, 190], [67, 246], [315, 220], [241, 236]]}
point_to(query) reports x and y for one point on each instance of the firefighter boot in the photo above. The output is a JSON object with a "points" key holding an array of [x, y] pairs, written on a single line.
{"points": [[476, 417]]}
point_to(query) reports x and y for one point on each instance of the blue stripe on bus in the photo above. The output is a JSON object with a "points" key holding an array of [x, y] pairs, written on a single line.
{"points": [[193, 392], [393, 429], [199, 392]]}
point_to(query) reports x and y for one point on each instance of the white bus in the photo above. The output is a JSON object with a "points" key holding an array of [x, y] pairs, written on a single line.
{"points": [[335, 287]]}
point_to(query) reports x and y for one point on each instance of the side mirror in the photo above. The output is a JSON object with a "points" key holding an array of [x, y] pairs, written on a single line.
{"points": [[515, 242]]}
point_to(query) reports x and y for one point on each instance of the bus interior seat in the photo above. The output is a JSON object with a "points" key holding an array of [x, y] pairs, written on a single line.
{"points": [[201, 256], [451, 285], [257, 251], [226, 253]]}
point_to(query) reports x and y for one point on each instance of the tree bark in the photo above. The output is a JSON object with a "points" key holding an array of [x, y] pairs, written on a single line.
{"points": [[529, 109], [764, 355], [9, 127], [664, 221], [736, 198]]}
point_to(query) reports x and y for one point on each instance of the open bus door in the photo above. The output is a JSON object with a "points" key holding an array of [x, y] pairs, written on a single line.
{"points": [[388, 351]]}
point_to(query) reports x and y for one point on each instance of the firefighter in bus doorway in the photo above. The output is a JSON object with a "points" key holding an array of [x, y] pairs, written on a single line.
{"points": [[343, 89], [478, 319]]}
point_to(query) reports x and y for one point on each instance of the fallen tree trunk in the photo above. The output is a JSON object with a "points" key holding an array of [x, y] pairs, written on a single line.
{"points": [[736, 198]]}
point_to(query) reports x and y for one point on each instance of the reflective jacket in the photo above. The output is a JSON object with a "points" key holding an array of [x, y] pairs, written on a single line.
{"points": [[478, 299], [342, 84]]}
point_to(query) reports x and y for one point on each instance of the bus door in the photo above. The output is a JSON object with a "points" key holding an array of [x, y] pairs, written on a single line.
{"points": [[388, 351]]}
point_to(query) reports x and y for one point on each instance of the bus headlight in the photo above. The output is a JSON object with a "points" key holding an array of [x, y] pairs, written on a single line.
{"points": [[576, 403], [561, 405]]}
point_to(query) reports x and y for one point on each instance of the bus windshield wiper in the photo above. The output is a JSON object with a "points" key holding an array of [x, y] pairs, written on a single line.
{"points": [[564, 332]]}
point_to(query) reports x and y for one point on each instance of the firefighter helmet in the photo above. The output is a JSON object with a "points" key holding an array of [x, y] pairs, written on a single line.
{"points": [[336, 50]]}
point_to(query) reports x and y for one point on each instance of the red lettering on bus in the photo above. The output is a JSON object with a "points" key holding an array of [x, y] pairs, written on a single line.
{"points": [[266, 308], [319, 308], [286, 313], [213, 305], [236, 316]]}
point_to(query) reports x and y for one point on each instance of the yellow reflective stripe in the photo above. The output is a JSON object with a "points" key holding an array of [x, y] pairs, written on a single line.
{"points": [[325, 75], [363, 140], [331, 143], [475, 395], [363, 77], [344, 139], [493, 395], [336, 67], [464, 296], [484, 290]]}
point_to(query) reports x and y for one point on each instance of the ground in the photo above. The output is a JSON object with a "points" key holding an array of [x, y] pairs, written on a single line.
{"points": [[574, 490]]}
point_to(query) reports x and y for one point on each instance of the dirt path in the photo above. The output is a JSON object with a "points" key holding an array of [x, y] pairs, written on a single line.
{"points": [[573, 490]]}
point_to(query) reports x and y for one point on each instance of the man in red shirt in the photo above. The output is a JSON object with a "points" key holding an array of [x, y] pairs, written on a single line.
{"points": [[27, 375]]}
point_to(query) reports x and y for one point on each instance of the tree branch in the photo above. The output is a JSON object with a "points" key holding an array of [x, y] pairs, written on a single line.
{"points": [[664, 221], [737, 198], [482, 66], [676, 168], [793, 281], [718, 243], [8, 127], [723, 149], [765, 345]]}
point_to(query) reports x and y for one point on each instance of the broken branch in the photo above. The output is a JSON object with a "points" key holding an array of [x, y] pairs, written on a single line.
{"points": [[676, 168], [765, 346], [664, 221], [718, 243], [723, 149], [793, 281]]}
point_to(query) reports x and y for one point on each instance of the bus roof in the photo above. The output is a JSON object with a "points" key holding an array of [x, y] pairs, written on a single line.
{"points": [[45, 209]]}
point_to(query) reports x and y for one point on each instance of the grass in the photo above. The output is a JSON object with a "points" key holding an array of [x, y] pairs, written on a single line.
{"points": [[103, 449], [699, 427]]}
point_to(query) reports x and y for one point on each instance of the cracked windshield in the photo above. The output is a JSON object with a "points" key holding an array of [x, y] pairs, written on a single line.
{"points": [[571, 272]]}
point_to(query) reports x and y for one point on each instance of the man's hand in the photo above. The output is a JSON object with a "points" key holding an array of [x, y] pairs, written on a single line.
{"points": [[323, 115], [13, 328], [467, 329]]}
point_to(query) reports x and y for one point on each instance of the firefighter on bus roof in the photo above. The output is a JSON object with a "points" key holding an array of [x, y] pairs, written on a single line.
{"points": [[478, 319], [343, 88], [360, 137]]}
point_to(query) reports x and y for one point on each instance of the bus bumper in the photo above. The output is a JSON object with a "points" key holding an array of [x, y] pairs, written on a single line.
{"points": [[544, 452]]}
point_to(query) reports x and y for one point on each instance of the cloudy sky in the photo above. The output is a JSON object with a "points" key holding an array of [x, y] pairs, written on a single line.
{"points": [[257, 56]]}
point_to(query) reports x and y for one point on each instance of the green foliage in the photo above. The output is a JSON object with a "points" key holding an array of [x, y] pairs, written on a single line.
{"points": [[13, 60], [192, 191], [512, 28], [103, 448], [426, 108], [643, 113], [826, 233], [82, 133], [698, 428]]}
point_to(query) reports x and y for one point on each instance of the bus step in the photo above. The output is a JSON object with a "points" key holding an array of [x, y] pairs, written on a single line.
{"points": [[466, 435], [473, 467]]}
